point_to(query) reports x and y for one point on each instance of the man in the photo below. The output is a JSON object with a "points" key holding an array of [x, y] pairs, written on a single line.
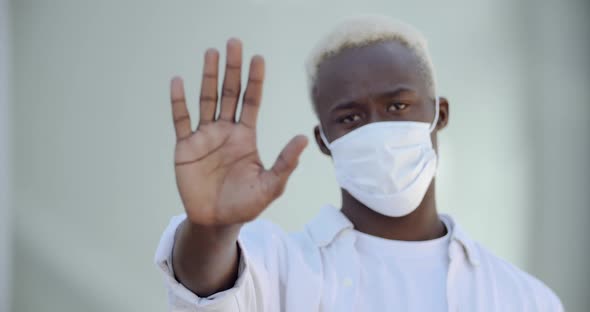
{"points": [[372, 85]]}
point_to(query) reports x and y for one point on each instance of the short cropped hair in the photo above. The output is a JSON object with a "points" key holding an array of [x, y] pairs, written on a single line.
{"points": [[366, 30]]}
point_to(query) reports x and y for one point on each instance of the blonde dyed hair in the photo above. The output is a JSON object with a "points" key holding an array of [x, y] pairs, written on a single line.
{"points": [[366, 30]]}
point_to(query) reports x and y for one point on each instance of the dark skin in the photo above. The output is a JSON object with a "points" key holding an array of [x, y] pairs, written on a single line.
{"points": [[220, 176], [373, 84]]}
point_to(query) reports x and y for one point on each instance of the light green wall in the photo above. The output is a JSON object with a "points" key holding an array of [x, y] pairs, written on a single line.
{"points": [[560, 109], [5, 168], [93, 139]]}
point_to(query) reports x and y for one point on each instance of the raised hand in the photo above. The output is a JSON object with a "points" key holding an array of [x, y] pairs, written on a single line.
{"points": [[219, 173]]}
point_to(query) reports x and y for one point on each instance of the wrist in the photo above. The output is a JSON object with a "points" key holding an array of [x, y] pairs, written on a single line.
{"points": [[219, 234]]}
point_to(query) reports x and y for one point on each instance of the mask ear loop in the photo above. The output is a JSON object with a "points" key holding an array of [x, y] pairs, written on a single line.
{"points": [[436, 112], [324, 138]]}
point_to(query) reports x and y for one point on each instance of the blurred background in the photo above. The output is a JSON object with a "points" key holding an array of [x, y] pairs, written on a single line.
{"points": [[86, 138]]}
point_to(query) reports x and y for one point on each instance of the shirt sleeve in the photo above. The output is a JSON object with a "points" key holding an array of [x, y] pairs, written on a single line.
{"points": [[246, 295], [553, 303]]}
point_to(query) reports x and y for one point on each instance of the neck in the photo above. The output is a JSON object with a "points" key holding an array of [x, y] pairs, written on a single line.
{"points": [[422, 224]]}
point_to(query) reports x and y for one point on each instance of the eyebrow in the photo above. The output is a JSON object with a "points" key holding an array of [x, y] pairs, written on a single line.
{"points": [[386, 94], [396, 92], [343, 105]]}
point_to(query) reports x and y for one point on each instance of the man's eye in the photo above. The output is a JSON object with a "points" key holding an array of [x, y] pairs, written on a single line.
{"points": [[350, 118], [393, 107]]}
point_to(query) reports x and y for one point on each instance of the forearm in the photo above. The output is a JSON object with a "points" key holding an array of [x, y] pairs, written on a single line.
{"points": [[205, 259]]}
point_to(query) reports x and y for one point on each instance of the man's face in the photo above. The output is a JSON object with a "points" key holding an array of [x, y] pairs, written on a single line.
{"points": [[380, 82]]}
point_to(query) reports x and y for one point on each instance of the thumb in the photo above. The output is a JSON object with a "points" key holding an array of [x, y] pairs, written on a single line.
{"points": [[276, 178]]}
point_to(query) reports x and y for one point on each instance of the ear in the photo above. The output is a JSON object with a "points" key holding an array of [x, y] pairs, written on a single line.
{"points": [[320, 142], [443, 113]]}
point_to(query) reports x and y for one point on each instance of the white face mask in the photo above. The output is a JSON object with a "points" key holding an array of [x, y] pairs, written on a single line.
{"points": [[387, 166]]}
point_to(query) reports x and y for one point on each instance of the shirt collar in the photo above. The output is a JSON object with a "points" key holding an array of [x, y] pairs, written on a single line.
{"points": [[458, 235], [326, 226], [330, 222]]}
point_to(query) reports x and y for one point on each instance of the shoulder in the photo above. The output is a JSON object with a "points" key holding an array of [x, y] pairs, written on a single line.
{"points": [[512, 282], [264, 234], [266, 242], [271, 244], [321, 231], [504, 284]]}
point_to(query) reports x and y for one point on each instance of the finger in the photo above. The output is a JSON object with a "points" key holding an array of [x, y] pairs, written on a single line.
{"points": [[231, 82], [180, 115], [276, 178], [208, 98], [253, 94]]}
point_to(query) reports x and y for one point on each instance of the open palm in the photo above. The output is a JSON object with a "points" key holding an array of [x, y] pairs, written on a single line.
{"points": [[219, 173]]}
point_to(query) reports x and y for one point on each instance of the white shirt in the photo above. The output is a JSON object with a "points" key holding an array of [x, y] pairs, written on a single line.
{"points": [[410, 276], [324, 268]]}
